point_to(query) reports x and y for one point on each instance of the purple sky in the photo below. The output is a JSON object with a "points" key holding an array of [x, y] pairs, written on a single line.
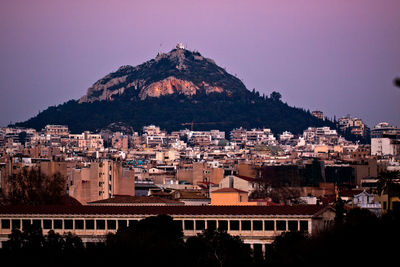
{"points": [[336, 56]]}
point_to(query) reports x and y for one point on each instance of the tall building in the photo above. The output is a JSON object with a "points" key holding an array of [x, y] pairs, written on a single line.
{"points": [[385, 140]]}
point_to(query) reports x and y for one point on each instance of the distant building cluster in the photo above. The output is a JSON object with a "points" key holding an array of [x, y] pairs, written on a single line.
{"points": [[208, 168], [353, 125]]}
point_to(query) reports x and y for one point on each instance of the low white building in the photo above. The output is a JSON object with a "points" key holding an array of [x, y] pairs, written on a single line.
{"points": [[365, 200]]}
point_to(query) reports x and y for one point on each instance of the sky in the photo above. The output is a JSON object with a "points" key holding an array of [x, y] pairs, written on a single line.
{"points": [[340, 57]]}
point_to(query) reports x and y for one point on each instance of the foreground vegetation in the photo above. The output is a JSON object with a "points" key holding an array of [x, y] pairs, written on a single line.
{"points": [[359, 238]]}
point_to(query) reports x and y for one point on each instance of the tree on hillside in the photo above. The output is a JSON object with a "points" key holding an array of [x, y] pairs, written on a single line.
{"points": [[275, 96], [31, 187]]}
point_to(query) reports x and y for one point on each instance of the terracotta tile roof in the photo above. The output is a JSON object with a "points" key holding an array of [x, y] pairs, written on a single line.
{"points": [[191, 194], [229, 190], [246, 178], [306, 210], [125, 199]]}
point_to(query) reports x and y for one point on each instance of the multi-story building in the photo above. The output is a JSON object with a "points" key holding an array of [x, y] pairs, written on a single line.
{"points": [[58, 130], [286, 136], [87, 141], [91, 181], [320, 135], [385, 140], [355, 125], [120, 141]]}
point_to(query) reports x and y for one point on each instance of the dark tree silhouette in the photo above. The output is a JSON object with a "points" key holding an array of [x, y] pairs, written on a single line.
{"points": [[397, 82], [340, 212], [388, 184], [273, 185], [286, 250], [31, 187], [151, 241], [275, 96], [217, 248]]}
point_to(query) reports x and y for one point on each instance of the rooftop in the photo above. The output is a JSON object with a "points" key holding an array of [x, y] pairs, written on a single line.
{"points": [[306, 210]]}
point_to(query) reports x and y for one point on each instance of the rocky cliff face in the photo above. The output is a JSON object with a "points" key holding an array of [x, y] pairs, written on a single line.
{"points": [[178, 72]]}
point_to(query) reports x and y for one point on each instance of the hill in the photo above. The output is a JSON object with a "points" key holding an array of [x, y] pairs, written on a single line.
{"points": [[177, 87]]}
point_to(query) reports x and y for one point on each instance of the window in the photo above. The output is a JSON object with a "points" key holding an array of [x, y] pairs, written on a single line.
{"points": [[269, 225], [58, 224], [223, 225], [111, 224], [200, 224], [68, 224], [212, 225], [246, 225], [79, 224], [89, 224], [16, 224], [257, 226], [5, 224], [47, 224], [122, 224], [281, 225], [234, 225], [100, 224], [293, 225], [304, 226], [188, 224]]}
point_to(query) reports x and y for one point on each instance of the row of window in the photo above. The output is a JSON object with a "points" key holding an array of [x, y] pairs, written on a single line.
{"points": [[101, 224], [245, 225], [66, 224]]}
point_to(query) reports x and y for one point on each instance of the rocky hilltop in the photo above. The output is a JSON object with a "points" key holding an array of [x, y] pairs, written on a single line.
{"points": [[179, 71], [170, 91]]}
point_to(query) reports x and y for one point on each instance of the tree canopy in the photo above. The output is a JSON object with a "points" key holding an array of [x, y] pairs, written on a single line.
{"points": [[32, 187]]}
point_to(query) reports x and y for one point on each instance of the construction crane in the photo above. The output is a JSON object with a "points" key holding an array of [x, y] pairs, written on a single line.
{"points": [[199, 123]]}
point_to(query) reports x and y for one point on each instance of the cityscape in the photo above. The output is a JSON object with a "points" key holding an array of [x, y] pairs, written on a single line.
{"points": [[176, 161]]}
